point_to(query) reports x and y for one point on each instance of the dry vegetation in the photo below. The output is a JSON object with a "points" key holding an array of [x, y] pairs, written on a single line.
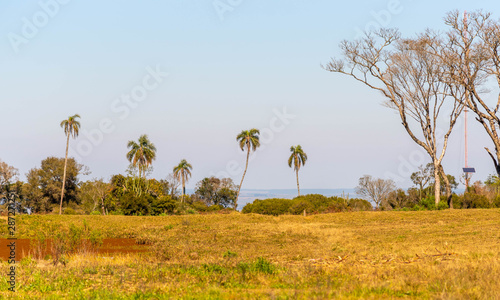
{"points": [[372, 255]]}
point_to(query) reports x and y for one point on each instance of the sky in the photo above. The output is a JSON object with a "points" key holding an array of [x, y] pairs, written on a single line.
{"points": [[193, 74]]}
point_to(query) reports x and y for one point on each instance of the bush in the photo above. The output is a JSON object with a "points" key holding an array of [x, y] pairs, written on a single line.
{"points": [[69, 211], [313, 203], [299, 205], [216, 207], [443, 205], [133, 205], [471, 200], [200, 206], [496, 201], [163, 205], [457, 201], [117, 212], [318, 203], [356, 204], [275, 207], [336, 204], [430, 204]]}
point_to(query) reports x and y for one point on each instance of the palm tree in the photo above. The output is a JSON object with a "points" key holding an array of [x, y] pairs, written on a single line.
{"points": [[71, 127], [141, 154], [248, 139], [183, 172], [297, 158]]}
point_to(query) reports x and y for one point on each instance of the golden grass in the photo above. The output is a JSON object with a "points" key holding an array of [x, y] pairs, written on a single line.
{"points": [[453, 254]]}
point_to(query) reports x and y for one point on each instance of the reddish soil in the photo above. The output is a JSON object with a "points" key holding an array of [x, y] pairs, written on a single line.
{"points": [[24, 248]]}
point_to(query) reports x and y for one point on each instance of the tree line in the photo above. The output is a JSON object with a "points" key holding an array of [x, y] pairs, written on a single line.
{"points": [[56, 182]]}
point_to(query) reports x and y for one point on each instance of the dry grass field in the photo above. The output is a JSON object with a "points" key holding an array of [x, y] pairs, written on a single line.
{"points": [[369, 255]]}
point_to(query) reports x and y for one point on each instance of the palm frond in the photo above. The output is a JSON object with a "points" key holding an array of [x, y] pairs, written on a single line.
{"points": [[298, 157]]}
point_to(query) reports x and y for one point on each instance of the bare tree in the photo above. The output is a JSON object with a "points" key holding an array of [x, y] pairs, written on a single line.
{"points": [[376, 190], [422, 177], [173, 184], [409, 77], [473, 58], [7, 175], [92, 194]]}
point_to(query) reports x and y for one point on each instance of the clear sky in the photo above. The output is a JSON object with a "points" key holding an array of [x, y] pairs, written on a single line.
{"points": [[232, 65]]}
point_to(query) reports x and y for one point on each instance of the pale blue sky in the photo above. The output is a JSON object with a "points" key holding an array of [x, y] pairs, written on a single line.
{"points": [[228, 71]]}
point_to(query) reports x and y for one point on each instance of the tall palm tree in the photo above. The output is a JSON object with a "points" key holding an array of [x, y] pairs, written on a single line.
{"points": [[297, 159], [248, 139], [183, 171], [141, 154], [71, 127]]}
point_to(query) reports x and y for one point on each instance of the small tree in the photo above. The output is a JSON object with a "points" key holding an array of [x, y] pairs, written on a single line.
{"points": [[173, 184], [92, 194], [8, 175], [422, 178], [215, 191], [376, 190], [43, 187], [396, 199]]}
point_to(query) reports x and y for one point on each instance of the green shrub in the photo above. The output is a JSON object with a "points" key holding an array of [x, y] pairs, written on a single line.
{"points": [[95, 213], [443, 204], [69, 211], [430, 204], [216, 207], [133, 205], [318, 203], [162, 205], [336, 204], [496, 201], [229, 254], [214, 268], [299, 205], [457, 201], [247, 209], [471, 200], [199, 206], [313, 203], [427, 203], [262, 265], [275, 207], [356, 204]]}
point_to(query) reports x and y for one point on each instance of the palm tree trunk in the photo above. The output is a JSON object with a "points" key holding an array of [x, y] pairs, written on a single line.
{"points": [[183, 189], [64, 175], [298, 188], [239, 188]]}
